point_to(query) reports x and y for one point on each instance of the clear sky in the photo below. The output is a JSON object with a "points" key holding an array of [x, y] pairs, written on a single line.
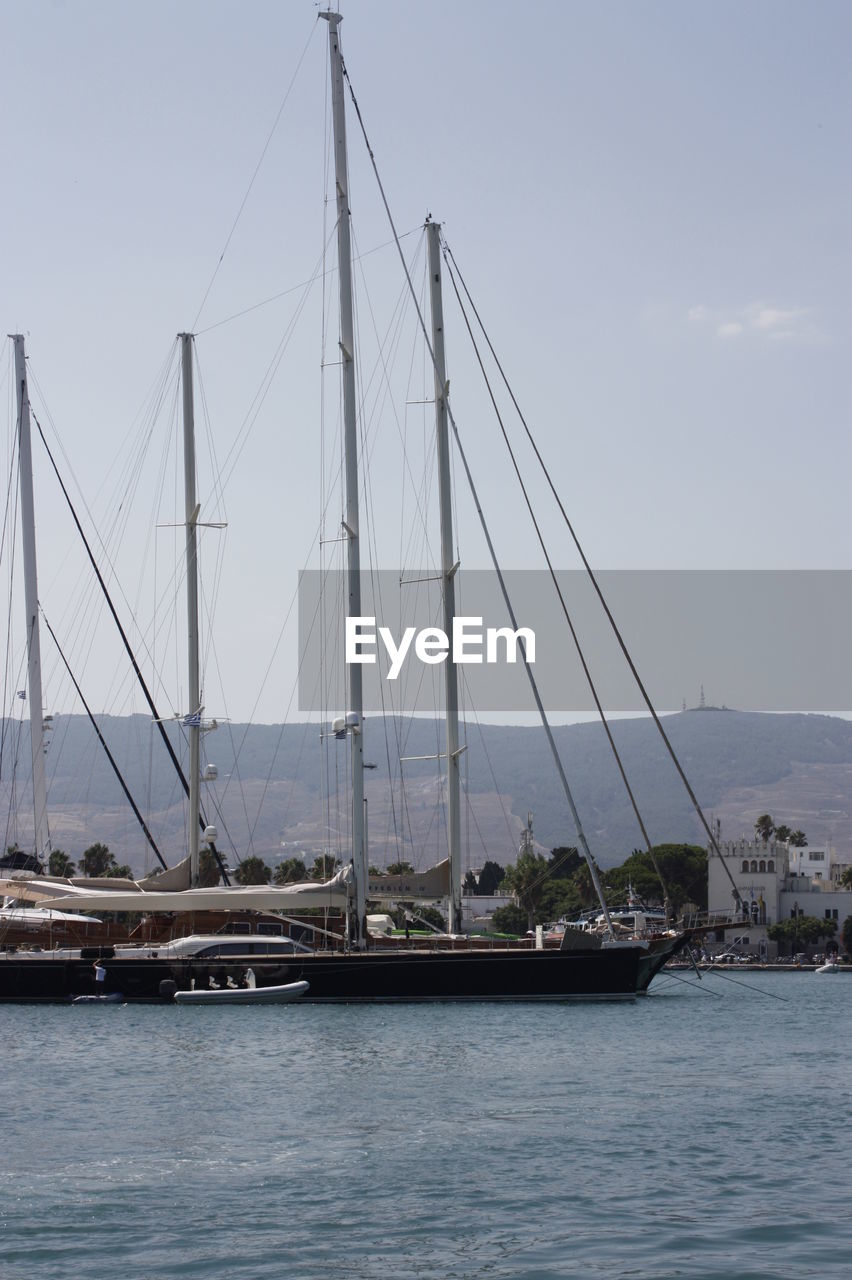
{"points": [[650, 203]]}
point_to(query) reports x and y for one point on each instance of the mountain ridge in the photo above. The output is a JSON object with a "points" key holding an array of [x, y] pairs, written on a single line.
{"points": [[270, 785]]}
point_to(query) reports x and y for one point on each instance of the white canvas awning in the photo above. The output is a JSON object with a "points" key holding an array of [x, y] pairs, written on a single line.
{"points": [[258, 897]]}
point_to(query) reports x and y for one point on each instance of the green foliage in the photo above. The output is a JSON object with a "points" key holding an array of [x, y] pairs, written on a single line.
{"points": [[563, 862], [490, 878], [764, 827], [510, 919], [429, 915], [417, 916], [847, 933], [846, 878], [208, 869], [291, 871], [526, 880], [59, 864], [324, 867], [96, 860], [783, 833], [117, 871], [802, 932], [799, 840], [400, 869], [469, 884], [252, 870], [683, 867]]}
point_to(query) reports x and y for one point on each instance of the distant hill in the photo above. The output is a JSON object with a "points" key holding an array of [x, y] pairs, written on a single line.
{"points": [[271, 785]]}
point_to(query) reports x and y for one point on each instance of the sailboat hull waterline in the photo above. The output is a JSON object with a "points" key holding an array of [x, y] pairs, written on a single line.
{"points": [[388, 976]]}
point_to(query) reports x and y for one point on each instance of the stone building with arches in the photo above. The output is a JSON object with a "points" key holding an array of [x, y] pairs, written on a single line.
{"points": [[776, 882]]}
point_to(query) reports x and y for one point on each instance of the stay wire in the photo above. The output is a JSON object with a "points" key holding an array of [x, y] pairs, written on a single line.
{"points": [[145, 690], [110, 757], [253, 179], [604, 605], [580, 653], [557, 760]]}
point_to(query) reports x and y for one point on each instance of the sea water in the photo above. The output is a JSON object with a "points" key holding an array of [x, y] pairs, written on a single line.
{"points": [[700, 1132]]}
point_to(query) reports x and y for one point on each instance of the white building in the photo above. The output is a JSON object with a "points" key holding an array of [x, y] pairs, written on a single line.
{"points": [[777, 882]]}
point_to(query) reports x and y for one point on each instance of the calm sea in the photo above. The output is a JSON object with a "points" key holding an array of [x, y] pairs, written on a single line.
{"points": [[701, 1132]]}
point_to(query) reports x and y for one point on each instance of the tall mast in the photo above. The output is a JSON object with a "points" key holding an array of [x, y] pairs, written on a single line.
{"points": [[193, 718], [448, 573], [34, 694], [355, 716]]}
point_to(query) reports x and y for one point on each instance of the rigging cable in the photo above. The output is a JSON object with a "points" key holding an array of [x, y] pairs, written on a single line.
{"points": [[581, 835], [253, 177], [580, 654], [126, 642], [593, 579], [152, 842]]}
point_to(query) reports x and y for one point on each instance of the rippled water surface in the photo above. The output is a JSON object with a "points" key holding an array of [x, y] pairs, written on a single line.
{"points": [[701, 1132]]}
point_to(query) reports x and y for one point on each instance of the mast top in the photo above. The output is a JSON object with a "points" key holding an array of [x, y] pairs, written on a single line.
{"points": [[333, 19]]}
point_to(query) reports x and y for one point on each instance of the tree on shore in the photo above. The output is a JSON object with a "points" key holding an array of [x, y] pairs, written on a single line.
{"points": [[847, 933], [324, 867], [764, 827], [490, 878], [59, 864], [208, 869], [252, 870], [526, 880], [399, 869], [801, 932], [291, 871], [510, 919], [98, 862]]}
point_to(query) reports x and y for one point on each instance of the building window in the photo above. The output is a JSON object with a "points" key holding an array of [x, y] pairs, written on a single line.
{"points": [[762, 866], [754, 865], [770, 866], [745, 864]]}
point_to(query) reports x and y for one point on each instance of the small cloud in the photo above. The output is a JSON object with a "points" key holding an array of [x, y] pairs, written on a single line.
{"points": [[772, 319], [729, 330], [697, 313]]}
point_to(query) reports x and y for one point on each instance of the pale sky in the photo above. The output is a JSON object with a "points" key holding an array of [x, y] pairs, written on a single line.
{"points": [[650, 203]]}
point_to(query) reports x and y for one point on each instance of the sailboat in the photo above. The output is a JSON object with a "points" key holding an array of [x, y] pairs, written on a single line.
{"points": [[455, 969]]}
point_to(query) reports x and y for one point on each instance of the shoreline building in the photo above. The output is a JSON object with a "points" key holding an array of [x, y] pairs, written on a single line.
{"points": [[776, 882]]}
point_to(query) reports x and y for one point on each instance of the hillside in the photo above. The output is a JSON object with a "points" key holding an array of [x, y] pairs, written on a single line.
{"points": [[269, 788]]}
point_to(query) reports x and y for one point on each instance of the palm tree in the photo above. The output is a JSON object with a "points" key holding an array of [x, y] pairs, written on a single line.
{"points": [[97, 860], [252, 870], [208, 869], [291, 871], [59, 864], [400, 869], [526, 880], [324, 866], [764, 827]]}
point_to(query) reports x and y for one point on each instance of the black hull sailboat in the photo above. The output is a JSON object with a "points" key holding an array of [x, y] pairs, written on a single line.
{"points": [[390, 975], [354, 978]]}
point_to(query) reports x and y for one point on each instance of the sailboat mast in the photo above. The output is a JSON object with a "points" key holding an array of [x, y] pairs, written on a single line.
{"points": [[355, 717], [448, 573], [34, 693], [193, 718]]}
